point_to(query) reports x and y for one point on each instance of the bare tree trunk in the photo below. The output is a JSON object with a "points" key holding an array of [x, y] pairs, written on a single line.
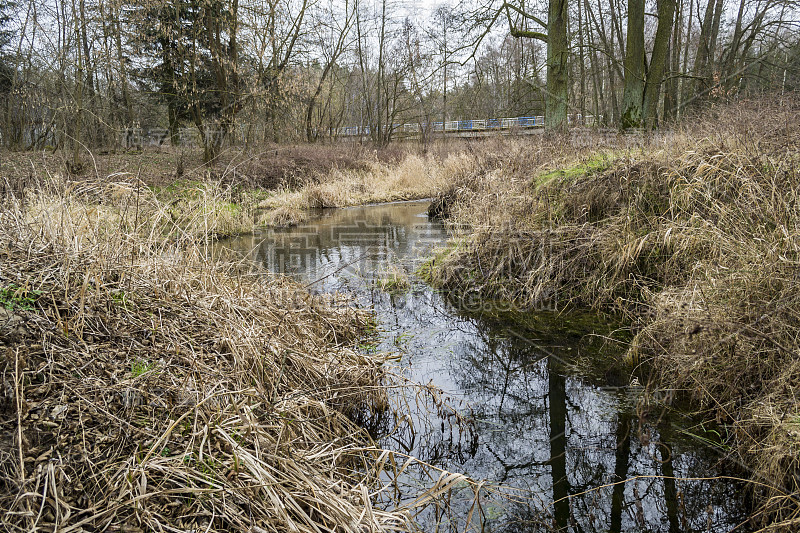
{"points": [[671, 91], [123, 72], [77, 130], [736, 40], [633, 95], [704, 44], [366, 91], [557, 73], [581, 61], [232, 72], [89, 75], [718, 8], [614, 71], [658, 61], [616, 25], [685, 69], [594, 67]]}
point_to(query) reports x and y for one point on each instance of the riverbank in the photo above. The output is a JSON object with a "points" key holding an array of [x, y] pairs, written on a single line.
{"points": [[691, 235], [270, 186], [694, 238], [148, 387]]}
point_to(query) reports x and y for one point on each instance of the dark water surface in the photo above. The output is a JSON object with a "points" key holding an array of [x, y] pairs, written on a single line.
{"points": [[539, 411]]}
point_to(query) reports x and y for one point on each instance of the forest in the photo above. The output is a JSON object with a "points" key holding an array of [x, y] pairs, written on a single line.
{"points": [[90, 74]]}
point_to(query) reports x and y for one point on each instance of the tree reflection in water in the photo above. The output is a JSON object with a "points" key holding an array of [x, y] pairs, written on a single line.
{"points": [[574, 445]]}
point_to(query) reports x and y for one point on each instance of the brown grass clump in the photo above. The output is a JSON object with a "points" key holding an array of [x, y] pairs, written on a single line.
{"points": [[279, 166], [264, 167], [282, 217], [147, 388], [413, 177], [186, 211], [695, 237]]}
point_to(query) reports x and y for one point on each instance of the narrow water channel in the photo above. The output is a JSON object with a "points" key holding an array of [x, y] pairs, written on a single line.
{"points": [[539, 412]]}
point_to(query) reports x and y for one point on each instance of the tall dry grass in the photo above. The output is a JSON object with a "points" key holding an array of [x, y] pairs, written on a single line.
{"points": [[146, 387], [414, 176], [695, 237]]}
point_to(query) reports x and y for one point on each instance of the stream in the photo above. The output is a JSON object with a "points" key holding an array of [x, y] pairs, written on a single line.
{"points": [[538, 407]]}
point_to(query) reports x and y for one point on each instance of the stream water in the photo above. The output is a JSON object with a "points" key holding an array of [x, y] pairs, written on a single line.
{"points": [[539, 410]]}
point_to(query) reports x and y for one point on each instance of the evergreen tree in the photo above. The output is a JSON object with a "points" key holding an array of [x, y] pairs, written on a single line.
{"points": [[191, 61]]}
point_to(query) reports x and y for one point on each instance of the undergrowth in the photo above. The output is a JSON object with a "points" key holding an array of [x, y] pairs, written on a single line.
{"points": [[693, 237], [147, 386]]}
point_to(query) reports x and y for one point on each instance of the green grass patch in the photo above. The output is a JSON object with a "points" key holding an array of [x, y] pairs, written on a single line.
{"points": [[427, 270], [594, 164], [141, 367], [394, 283], [15, 297]]}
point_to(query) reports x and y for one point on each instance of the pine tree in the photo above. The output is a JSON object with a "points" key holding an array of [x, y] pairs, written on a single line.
{"points": [[192, 58]]}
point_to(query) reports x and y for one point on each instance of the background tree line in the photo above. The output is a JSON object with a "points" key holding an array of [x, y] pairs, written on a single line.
{"points": [[77, 74]]}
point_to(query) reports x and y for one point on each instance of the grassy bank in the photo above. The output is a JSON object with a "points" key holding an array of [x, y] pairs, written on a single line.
{"points": [[411, 177], [269, 186], [146, 387], [694, 237]]}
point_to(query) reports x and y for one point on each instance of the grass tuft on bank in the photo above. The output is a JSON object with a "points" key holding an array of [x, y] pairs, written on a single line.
{"points": [[412, 177], [694, 237], [149, 387]]}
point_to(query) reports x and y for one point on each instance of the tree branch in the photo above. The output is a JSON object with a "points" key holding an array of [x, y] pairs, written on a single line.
{"points": [[528, 16], [529, 34]]}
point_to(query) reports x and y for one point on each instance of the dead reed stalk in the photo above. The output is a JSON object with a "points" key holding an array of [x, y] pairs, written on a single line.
{"points": [[147, 387], [695, 237]]}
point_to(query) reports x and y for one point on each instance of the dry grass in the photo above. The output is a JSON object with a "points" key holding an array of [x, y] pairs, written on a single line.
{"points": [[267, 167], [413, 177], [695, 237], [184, 211], [442, 171], [133, 193], [283, 216], [268, 186], [148, 388], [394, 280]]}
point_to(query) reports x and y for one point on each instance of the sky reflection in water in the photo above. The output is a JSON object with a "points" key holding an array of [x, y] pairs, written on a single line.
{"points": [[535, 416]]}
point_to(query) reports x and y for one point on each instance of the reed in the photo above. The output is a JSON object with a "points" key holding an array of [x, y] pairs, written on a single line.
{"points": [[149, 387], [694, 237], [414, 176]]}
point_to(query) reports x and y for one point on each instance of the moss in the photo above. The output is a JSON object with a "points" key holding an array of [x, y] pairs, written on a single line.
{"points": [[595, 163], [15, 297], [429, 268]]}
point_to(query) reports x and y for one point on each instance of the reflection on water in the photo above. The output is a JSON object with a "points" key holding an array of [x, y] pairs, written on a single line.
{"points": [[536, 422]]}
